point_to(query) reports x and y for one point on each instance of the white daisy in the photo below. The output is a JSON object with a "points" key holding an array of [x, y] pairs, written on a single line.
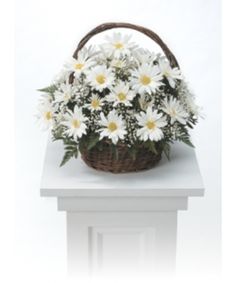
{"points": [[189, 100], [151, 123], [81, 64], [118, 63], [45, 115], [61, 77], [113, 127], [95, 103], [45, 98], [100, 77], [171, 74], [64, 93], [102, 58], [144, 55], [145, 103], [89, 52], [146, 78], [74, 121], [118, 45], [195, 109], [121, 94], [174, 109]]}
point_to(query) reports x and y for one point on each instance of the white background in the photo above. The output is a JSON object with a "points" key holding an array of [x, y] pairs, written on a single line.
{"points": [[46, 34]]}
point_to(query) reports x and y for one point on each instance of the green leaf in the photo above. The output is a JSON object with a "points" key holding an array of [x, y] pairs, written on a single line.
{"points": [[76, 154], [93, 139], [82, 144], [166, 149], [188, 142], [189, 125], [133, 152], [67, 156], [57, 133], [150, 145], [68, 141], [185, 138], [115, 151], [50, 89], [153, 147], [71, 150]]}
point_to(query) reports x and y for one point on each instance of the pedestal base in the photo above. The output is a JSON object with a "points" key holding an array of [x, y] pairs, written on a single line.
{"points": [[122, 223], [121, 234], [125, 242]]}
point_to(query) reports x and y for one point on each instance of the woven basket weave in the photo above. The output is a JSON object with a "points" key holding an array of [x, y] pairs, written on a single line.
{"points": [[104, 159]]}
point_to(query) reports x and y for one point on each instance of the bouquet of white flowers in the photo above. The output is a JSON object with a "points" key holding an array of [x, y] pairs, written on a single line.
{"points": [[119, 105]]}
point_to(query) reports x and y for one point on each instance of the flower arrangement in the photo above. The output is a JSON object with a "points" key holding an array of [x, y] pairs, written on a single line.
{"points": [[117, 102]]}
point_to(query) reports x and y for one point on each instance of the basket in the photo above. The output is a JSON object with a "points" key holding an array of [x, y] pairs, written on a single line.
{"points": [[122, 161]]}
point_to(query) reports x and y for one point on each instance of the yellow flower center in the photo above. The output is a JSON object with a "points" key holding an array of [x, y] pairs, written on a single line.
{"points": [[118, 45], [101, 79], [112, 126], [79, 66], [48, 115], [145, 80], [151, 125], [121, 96], [95, 103], [172, 112], [66, 96], [76, 123]]}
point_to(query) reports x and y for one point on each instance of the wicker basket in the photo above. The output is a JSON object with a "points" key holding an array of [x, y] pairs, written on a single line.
{"points": [[105, 159], [122, 161]]}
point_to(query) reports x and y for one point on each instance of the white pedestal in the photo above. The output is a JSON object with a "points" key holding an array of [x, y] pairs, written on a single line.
{"points": [[124, 222]]}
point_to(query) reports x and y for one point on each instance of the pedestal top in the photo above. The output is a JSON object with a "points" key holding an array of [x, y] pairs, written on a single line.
{"points": [[178, 177]]}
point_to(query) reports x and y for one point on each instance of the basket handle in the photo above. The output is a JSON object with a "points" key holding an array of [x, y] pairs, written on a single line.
{"points": [[146, 31]]}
